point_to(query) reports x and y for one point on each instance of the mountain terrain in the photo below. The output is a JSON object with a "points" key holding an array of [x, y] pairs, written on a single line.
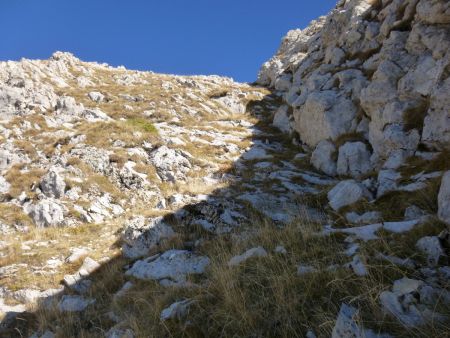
{"points": [[314, 202]]}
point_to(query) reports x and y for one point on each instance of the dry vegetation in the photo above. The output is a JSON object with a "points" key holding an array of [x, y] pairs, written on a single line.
{"points": [[263, 297]]}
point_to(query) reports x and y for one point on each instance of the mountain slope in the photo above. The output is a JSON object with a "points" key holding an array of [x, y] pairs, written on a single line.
{"points": [[314, 203]]}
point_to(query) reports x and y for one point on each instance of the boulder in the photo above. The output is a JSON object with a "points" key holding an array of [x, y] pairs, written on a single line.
{"points": [[353, 160], [171, 165], [254, 252], [46, 213], [436, 125], [177, 310], [325, 115], [432, 248], [96, 96], [347, 325], [4, 185], [346, 193], [74, 303], [282, 119], [141, 235], [444, 199], [53, 184], [323, 157], [172, 265], [76, 254]]}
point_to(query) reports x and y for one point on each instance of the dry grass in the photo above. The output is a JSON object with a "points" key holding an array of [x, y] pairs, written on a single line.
{"points": [[133, 132], [22, 180], [263, 297]]}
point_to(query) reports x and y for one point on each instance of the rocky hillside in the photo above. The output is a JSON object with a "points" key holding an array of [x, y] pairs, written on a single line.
{"points": [[314, 203]]}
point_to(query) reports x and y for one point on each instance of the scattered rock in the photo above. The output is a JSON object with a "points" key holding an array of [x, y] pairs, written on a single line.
{"points": [[4, 185], [117, 332], [96, 96], [76, 254], [251, 253], [444, 199], [347, 325], [431, 246], [353, 160], [177, 310], [174, 265], [141, 235], [347, 193], [171, 165], [305, 269], [53, 184], [323, 158], [46, 213], [74, 303], [367, 217]]}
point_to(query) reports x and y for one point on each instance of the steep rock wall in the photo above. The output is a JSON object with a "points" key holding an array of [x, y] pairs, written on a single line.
{"points": [[372, 71]]}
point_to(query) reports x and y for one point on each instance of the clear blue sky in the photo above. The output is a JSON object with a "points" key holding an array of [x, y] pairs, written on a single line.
{"points": [[229, 37]]}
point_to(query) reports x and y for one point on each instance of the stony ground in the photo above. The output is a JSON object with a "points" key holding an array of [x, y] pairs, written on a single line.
{"points": [[135, 204]]}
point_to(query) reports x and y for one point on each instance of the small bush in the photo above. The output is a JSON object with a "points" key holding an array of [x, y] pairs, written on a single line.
{"points": [[142, 124]]}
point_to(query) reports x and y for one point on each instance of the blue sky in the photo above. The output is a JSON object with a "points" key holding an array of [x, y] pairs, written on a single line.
{"points": [[230, 38]]}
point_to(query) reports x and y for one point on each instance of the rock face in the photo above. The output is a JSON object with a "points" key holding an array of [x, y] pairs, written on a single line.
{"points": [[376, 69]]}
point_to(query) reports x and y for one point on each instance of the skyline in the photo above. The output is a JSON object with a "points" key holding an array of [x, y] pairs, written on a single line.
{"points": [[198, 38]]}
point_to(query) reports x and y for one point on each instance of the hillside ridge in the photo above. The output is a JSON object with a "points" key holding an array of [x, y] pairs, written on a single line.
{"points": [[314, 202]]}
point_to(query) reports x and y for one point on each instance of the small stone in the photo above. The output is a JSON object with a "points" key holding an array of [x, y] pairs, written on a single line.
{"points": [[177, 310], [281, 250], [305, 269], [431, 246], [77, 254], [96, 96], [74, 303], [254, 252]]}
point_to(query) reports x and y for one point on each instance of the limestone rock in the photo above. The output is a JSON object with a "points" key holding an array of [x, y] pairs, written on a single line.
{"points": [[46, 213], [53, 184], [141, 235], [177, 310], [431, 246], [444, 198], [282, 119], [4, 185], [322, 73], [346, 193], [254, 252], [74, 303], [171, 165], [323, 157], [366, 218], [347, 325], [118, 332], [173, 265], [353, 159], [96, 96], [325, 115]]}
